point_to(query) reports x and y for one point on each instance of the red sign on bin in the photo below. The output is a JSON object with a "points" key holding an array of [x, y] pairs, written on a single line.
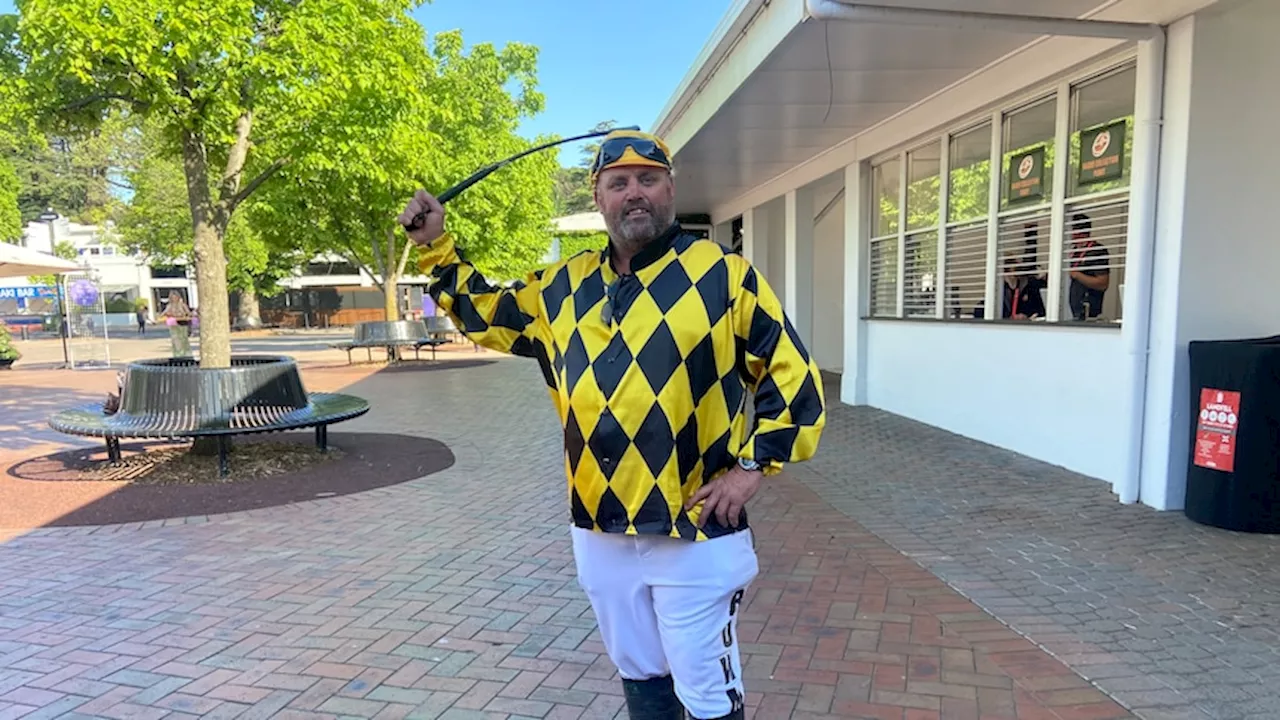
{"points": [[1216, 429]]}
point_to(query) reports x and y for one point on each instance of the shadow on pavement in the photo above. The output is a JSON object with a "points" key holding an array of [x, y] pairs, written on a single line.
{"points": [[25, 410], [371, 460]]}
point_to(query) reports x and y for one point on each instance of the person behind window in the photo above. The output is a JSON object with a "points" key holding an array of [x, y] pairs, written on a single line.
{"points": [[1021, 289], [1088, 270]]}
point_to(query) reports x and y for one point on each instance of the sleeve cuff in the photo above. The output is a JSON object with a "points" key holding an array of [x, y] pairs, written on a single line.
{"points": [[440, 252], [768, 467]]}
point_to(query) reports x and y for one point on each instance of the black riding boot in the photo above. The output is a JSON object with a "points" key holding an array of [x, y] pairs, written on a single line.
{"points": [[653, 699]]}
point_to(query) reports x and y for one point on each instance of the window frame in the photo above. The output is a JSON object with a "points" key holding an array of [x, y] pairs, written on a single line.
{"points": [[1062, 95]]}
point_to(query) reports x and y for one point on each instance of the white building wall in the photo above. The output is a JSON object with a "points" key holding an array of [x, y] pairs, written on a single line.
{"points": [[828, 288], [1051, 393], [775, 246], [1222, 275]]}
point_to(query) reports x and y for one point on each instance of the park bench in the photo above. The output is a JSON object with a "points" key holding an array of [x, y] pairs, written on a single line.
{"points": [[442, 326], [174, 398], [391, 335]]}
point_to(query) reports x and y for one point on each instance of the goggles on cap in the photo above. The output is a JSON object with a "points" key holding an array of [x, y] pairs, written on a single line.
{"points": [[643, 152]]}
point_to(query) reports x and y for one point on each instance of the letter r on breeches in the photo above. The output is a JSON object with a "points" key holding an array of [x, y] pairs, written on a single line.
{"points": [[669, 606]]}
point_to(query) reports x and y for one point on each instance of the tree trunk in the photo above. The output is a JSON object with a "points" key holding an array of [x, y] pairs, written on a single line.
{"points": [[391, 308], [391, 298], [249, 315], [209, 225]]}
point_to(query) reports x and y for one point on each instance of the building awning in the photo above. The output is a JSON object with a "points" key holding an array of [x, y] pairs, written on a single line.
{"points": [[19, 261], [775, 87]]}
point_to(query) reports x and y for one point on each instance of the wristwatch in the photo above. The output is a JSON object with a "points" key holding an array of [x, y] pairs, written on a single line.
{"points": [[748, 464]]}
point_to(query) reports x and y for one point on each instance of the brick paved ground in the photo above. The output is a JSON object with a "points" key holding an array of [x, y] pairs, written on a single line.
{"points": [[1176, 620], [454, 596]]}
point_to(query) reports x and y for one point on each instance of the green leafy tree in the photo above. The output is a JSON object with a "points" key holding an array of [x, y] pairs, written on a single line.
{"points": [[343, 197], [240, 88], [573, 184], [157, 224], [73, 173], [572, 243], [10, 113], [10, 216]]}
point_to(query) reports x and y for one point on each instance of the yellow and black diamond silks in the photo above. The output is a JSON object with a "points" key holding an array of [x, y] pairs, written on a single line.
{"points": [[649, 372]]}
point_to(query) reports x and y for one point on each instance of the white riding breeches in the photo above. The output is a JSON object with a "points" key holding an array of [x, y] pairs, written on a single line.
{"points": [[670, 607]]}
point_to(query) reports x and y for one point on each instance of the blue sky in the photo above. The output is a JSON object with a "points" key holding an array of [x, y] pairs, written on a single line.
{"points": [[599, 59]]}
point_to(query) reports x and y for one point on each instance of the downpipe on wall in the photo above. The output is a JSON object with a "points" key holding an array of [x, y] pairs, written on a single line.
{"points": [[1144, 197]]}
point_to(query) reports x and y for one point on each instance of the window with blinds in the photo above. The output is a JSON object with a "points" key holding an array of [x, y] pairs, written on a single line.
{"points": [[1023, 251], [1096, 216], [920, 242], [1041, 214], [886, 190], [1094, 259], [884, 277], [969, 177]]}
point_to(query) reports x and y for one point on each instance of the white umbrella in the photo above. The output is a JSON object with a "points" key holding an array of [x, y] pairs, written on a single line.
{"points": [[18, 261]]}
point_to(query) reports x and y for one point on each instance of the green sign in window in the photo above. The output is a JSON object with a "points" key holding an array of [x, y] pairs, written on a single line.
{"points": [[1102, 153], [1026, 176]]}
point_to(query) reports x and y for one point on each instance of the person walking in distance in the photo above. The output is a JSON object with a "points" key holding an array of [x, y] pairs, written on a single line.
{"points": [[650, 347]]}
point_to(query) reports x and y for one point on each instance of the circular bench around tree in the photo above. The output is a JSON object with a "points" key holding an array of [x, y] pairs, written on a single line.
{"points": [[172, 398]]}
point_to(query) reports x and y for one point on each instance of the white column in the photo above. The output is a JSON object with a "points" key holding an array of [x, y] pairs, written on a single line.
{"points": [[1057, 217], [944, 201], [853, 385], [798, 286], [749, 235], [994, 297], [722, 233]]}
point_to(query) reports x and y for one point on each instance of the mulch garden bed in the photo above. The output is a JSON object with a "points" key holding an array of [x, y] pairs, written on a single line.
{"points": [[158, 481]]}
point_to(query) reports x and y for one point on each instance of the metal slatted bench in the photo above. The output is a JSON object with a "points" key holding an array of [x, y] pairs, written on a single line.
{"points": [[174, 398], [391, 335], [441, 326]]}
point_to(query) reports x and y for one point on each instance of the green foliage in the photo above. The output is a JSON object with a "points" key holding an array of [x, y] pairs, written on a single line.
{"points": [[239, 89], [456, 116], [73, 173], [573, 190], [10, 217], [573, 243], [157, 223], [120, 305], [7, 350]]}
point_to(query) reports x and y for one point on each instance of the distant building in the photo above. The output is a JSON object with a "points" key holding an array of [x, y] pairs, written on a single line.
{"points": [[121, 276]]}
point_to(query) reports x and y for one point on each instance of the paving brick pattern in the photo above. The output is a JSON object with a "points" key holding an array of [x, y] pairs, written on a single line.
{"points": [[454, 596], [1175, 620]]}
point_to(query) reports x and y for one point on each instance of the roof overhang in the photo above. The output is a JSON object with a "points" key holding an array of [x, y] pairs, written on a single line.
{"points": [[782, 82]]}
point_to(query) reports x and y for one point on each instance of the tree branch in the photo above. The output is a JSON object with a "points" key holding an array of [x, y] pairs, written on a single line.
{"points": [[237, 156], [84, 102], [355, 259], [253, 184], [377, 256], [404, 256]]}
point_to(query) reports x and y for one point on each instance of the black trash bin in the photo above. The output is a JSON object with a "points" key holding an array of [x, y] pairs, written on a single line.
{"points": [[1233, 477]]}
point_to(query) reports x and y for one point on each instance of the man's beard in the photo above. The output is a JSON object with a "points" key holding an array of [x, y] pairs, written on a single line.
{"points": [[632, 234]]}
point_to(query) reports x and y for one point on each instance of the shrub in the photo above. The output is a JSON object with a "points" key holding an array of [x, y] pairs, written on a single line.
{"points": [[7, 350]]}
